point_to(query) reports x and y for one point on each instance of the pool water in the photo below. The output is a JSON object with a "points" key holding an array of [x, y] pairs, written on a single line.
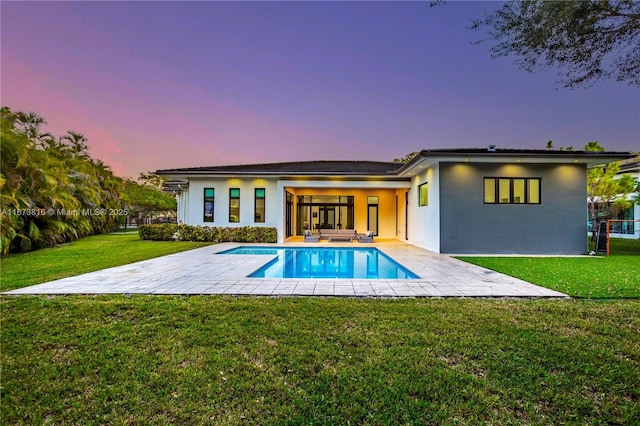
{"points": [[326, 262]]}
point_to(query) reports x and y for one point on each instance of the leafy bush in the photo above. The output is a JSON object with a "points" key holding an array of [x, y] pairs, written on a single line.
{"points": [[197, 233], [159, 232], [244, 234], [266, 235]]}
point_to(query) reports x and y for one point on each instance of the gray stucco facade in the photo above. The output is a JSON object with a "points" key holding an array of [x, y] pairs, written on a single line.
{"points": [[555, 226]]}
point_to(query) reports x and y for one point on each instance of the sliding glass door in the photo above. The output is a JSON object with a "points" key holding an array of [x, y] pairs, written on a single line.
{"points": [[317, 212]]}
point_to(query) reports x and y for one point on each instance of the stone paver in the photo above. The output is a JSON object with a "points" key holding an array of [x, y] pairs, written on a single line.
{"points": [[203, 271]]}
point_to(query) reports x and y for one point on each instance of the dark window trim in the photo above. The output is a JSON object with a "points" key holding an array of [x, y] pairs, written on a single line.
{"points": [[234, 198], [255, 204], [204, 205], [426, 204], [511, 180]]}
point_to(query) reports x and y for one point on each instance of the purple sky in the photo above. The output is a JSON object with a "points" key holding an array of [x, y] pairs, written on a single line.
{"points": [[158, 85]]}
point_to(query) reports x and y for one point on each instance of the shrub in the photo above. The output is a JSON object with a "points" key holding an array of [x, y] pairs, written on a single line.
{"points": [[196, 233], [266, 235], [244, 234], [158, 232]]}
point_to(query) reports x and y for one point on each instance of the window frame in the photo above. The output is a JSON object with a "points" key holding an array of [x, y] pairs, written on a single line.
{"points": [[423, 201], [255, 205], [210, 199], [233, 198], [498, 190]]}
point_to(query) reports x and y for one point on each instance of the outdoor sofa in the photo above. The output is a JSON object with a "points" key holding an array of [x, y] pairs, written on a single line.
{"points": [[338, 234]]}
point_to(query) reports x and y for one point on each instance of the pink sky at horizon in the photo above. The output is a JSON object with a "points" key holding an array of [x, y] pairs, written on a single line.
{"points": [[230, 83]]}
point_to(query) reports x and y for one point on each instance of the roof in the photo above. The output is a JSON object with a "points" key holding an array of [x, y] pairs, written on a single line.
{"points": [[398, 170], [524, 152], [632, 164], [503, 155], [342, 168]]}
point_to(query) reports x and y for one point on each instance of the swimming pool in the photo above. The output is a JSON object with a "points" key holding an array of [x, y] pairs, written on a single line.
{"points": [[326, 262]]}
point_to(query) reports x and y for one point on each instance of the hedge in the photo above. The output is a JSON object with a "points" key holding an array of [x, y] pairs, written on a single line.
{"points": [[243, 234]]}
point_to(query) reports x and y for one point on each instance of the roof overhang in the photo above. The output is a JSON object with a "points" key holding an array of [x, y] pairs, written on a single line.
{"points": [[185, 176], [291, 170], [427, 158], [175, 186]]}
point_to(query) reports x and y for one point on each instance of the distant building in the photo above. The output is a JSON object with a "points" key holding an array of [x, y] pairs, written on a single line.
{"points": [[628, 229]]}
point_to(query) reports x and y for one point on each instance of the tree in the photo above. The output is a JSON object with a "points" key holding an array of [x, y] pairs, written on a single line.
{"points": [[152, 179], [52, 190], [143, 198], [586, 40], [606, 190]]}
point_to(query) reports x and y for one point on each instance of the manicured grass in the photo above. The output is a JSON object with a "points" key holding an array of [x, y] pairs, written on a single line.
{"points": [[223, 360], [85, 255], [614, 276]]}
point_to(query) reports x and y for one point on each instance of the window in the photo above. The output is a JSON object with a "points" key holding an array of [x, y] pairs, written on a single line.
{"points": [[234, 205], [534, 191], [489, 191], [259, 205], [423, 194], [372, 214], [504, 191], [512, 190], [519, 196], [208, 204]]}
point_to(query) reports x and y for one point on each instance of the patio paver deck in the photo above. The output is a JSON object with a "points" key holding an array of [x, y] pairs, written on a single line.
{"points": [[202, 271]]}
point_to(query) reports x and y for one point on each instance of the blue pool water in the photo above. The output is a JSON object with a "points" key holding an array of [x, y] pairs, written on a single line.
{"points": [[326, 262]]}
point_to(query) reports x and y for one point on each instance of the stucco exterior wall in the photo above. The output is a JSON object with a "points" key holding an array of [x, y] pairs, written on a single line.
{"points": [[191, 202], [194, 215], [424, 221], [555, 226]]}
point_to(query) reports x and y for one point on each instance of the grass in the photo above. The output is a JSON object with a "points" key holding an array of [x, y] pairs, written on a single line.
{"points": [[227, 361], [85, 255], [614, 276], [223, 360]]}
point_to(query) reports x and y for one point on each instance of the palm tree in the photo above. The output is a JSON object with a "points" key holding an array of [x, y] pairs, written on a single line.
{"points": [[58, 179]]}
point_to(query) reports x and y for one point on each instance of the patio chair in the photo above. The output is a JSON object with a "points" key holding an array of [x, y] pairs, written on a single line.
{"points": [[365, 238], [311, 238]]}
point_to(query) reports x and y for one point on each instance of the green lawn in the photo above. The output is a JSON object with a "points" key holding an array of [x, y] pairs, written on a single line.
{"points": [[223, 360], [84, 255], [614, 276]]}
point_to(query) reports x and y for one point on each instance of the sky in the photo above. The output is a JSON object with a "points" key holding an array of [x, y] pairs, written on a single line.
{"points": [[158, 85]]}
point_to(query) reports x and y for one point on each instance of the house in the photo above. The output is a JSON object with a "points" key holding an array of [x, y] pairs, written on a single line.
{"points": [[444, 200], [628, 229]]}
